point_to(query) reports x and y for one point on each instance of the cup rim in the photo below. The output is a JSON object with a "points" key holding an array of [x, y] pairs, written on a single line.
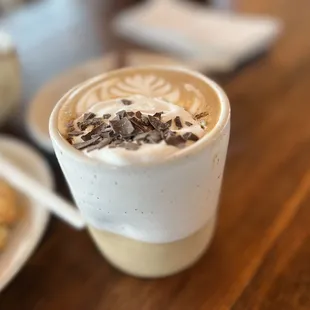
{"points": [[197, 147]]}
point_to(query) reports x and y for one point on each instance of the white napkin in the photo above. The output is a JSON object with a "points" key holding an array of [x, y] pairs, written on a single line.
{"points": [[214, 39]]}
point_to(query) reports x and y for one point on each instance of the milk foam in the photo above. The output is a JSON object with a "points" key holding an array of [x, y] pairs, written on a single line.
{"points": [[147, 152]]}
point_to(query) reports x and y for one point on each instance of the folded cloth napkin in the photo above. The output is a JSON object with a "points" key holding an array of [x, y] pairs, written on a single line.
{"points": [[214, 39]]}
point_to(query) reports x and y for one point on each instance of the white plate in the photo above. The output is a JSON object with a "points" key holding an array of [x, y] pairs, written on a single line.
{"points": [[27, 233], [40, 108]]}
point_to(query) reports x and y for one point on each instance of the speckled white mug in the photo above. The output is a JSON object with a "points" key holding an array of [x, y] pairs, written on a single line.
{"points": [[155, 219]]}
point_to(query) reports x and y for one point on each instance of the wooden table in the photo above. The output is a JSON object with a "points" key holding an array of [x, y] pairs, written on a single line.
{"points": [[260, 257]]}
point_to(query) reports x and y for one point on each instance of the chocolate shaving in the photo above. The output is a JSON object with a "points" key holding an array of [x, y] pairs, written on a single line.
{"points": [[170, 133], [100, 145], [178, 122], [145, 120], [122, 127], [100, 135], [88, 116], [141, 136], [190, 136], [128, 130], [201, 115], [166, 133], [121, 114], [156, 123], [106, 116], [81, 125], [158, 114], [126, 102], [106, 128], [139, 114], [83, 145], [75, 133], [93, 132], [138, 124], [175, 140], [163, 134], [189, 124], [130, 113], [169, 123], [96, 121], [116, 118], [90, 121]]}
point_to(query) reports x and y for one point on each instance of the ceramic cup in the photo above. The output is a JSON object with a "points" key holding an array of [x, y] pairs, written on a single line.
{"points": [[156, 219]]}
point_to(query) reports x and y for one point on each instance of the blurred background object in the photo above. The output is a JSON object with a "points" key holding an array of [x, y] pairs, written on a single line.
{"points": [[9, 5], [10, 79], [32, 219], [216, 39], [221, 4]]}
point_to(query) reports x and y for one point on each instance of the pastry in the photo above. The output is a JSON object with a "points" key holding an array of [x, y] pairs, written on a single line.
{"points": [[8, 204]]}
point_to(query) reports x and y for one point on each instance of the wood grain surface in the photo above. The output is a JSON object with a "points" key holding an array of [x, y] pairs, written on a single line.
{"points": [[260, 256]]}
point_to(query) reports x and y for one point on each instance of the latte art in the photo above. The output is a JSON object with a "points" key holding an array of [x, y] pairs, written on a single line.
{"points": [[149, 86]]}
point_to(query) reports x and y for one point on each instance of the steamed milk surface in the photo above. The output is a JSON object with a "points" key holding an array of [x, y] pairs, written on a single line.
{"points": [[147, 152]]}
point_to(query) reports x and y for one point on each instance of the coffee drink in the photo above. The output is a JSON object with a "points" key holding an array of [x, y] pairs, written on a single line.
{"points": [[143, 151]]}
